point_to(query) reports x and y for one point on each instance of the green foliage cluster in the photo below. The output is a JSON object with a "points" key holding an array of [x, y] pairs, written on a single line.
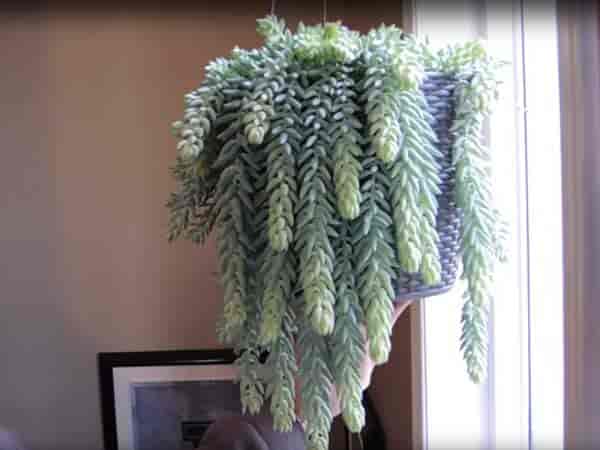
{"points": [[315, 160]]}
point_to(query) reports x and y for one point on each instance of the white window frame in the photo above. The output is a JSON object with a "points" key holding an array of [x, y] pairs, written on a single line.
{"points": [[521, 404]]}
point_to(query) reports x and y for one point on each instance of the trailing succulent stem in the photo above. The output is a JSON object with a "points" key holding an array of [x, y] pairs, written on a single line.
{"points": [[347, 141], [347, 341], [400, 132], [316, 385], [282, 361], [286, 142], [234, 248], [374, 257], [252, 387], [315, 159], [480, 222], [473, 197], [415, 185], [316, 207], [201, 108], [192, 213], [280, 282], [279, 265]]}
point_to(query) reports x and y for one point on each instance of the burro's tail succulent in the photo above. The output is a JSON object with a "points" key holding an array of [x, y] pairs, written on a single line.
{"points": [[316, 159]]}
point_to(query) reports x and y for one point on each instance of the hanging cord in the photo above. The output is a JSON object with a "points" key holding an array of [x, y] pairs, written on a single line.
{"points": [[274, 4]]}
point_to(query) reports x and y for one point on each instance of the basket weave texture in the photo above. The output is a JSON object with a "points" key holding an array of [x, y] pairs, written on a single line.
{"points": [[439, 92]]}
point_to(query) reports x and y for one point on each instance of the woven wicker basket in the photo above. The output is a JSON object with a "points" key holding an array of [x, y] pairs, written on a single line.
{"points": [[439, 91]]}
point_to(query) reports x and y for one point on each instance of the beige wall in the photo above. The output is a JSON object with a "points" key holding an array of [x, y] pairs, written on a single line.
{"points": [[86, 100]]}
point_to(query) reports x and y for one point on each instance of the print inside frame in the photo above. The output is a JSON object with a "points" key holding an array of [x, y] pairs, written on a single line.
{"points": [[165, 400]]}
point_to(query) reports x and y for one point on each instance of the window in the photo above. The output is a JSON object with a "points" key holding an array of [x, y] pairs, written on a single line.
{"points": [[521, 404]]}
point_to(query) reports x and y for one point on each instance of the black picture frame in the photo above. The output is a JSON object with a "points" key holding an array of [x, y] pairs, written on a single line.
{"points": [[107, 362]]}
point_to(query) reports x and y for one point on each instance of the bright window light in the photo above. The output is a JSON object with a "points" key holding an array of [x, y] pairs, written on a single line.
{"points": [[521, 404]]}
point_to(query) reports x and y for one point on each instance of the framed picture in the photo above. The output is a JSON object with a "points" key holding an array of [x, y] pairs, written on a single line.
{"points": [[165, 400]]}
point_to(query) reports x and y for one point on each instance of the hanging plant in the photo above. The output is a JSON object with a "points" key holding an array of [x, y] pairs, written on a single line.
{"points": [[341, 172]]}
